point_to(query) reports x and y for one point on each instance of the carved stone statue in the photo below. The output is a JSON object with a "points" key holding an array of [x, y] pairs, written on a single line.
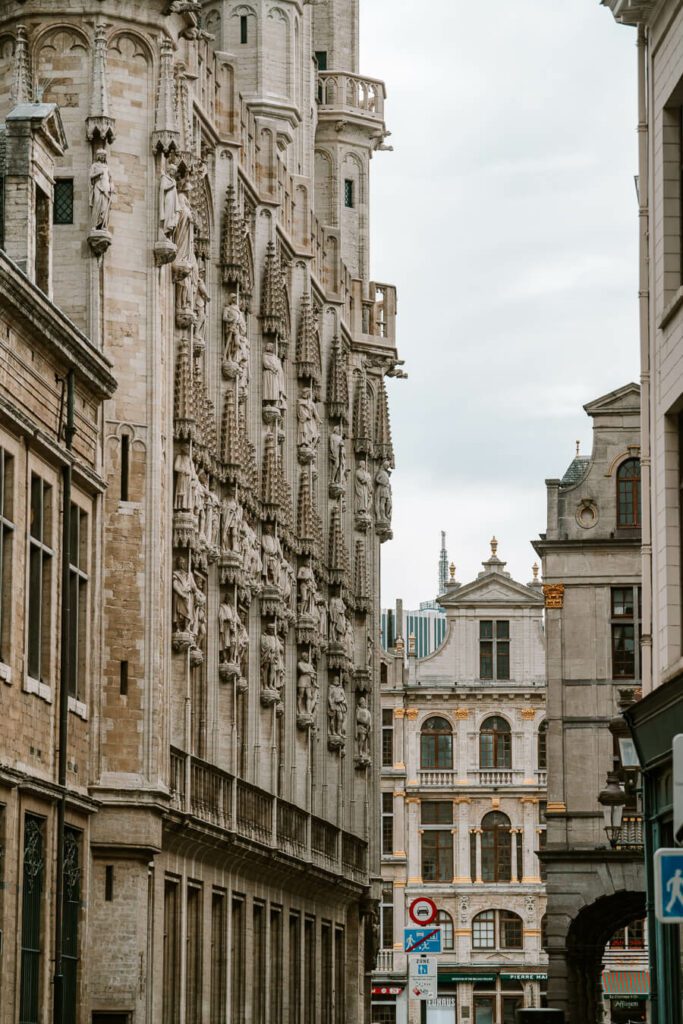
{"points": [[272, 665], [337, 709], [363, 489], [231, 535], [274, 396], [308, 593], [168, 202], [252, 563], [350, 640], [337, 620], [306, 690], [199, 621], [363, 728], [101, 192], [383, 493], [183, 499], [234, 327], [309, 425], [184, 237], [272, 557], [337, 457], [184, 598], [201, 300]]}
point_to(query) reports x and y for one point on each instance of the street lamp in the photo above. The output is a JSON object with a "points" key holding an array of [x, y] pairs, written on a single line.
{"points": [[612, 800]]}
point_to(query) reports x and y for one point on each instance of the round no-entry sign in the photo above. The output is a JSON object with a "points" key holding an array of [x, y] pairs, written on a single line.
{"points": [[422, 910]]}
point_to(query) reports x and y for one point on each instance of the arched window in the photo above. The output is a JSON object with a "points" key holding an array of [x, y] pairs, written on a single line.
{"points": [[628, 494], [495, 744], [445, 923], [496, 848], [436, 744], [542, 752], [497, 929], [544, 931]]}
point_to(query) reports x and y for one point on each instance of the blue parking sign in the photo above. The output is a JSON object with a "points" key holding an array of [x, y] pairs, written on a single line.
{"points": [[422, 940], [669, 886]]}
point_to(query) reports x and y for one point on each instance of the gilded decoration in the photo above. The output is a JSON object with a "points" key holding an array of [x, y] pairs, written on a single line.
{"points": [[554, 595]]}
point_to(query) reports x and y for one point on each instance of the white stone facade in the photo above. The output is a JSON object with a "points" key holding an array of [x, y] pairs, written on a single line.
{"points": [[475, 776]]}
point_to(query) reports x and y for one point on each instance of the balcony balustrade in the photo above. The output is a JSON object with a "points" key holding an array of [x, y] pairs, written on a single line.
{"points": [[440, 778], [349, 94], [211, 795], [385, 961]]}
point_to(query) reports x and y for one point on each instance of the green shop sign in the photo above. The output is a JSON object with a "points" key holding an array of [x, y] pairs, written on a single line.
{"points": [[466, 977], [524, 977]]}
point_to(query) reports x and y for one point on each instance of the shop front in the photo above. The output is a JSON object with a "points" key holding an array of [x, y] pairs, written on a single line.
{"points": [[626, 995], [484, 998], [387, 1004]]}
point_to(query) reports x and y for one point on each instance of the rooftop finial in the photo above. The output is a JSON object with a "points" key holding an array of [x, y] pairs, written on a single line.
{"points": [[534, 569], [451, 570], [578, 447], [494, 547]]}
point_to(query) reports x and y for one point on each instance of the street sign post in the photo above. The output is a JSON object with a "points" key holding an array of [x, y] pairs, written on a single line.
{"points": [[669, 886], [678, 788], [422, 910], [422, 977], [422, 940]]}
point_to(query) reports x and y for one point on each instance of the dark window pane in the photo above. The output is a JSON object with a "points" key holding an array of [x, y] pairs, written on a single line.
{"points": [[63, 207], [486, 630], [622, 602], [437, 856], [348, 193], [628, 493], [244, 28], [510, 930], [486, 659], [503, 661], [623, 652], [503, 630], [437, 812]]}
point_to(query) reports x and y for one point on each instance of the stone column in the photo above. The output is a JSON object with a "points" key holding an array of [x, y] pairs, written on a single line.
{"points": [[411, 747], [531, 872], [399, 738], [514, 874], [477, 832], [413, 839], [399, 824], [463, 871]]}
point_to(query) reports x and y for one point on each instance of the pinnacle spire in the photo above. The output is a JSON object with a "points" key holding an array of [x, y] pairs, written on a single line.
{"points": [[166, 135], [21, 74], [100, 126]]}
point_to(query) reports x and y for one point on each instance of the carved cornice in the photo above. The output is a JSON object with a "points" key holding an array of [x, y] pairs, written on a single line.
{"points": [[631, 12]]}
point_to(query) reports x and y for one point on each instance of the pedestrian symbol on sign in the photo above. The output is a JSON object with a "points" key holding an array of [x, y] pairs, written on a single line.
{"points": [[669, 886]]}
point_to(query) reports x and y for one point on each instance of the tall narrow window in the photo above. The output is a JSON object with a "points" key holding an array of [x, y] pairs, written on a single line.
{"points": [[628, 494], [386, 921], [218, 957], [63, 205], [349, 193], [294, 972], [542, 752], [125, 466], [436, 744], [496, 848], [494, 649], [311, 978], [445, 923], [387, 824], [339, 977], [72, 912], [326, 973], [171, 969], [437, 841], [6, 536], [626, 632], [193, 955], [387, 737], [40, 580], [42, 240], [495, 743], [258, 987], [275, 959], [321, 58], [31, 905], [78, 593], [237, 964], [244, 29]]}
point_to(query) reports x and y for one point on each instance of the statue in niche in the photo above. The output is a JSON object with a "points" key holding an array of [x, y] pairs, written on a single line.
{"points": [[200, 501], [272, 664], [101, 192], [183, 499], [234, 325], [337, 458], [199, 621], [337, 709], [184, 597], [232, 533], [252, 564], [363, 729], [363, 489], [274, 396], [184, 237], [287, 581], [168, 202], [227, 633], [322, 616], [214, 537], [337, 620], [350, 642], [383, 493], [308, 593], [309, 425], [272, 557], [307, 689], [201, 300], [369, 651]]}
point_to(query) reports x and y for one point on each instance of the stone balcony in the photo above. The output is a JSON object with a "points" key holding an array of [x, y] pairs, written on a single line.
{"points": [[213, 797], [351, 97], [486, 777]]}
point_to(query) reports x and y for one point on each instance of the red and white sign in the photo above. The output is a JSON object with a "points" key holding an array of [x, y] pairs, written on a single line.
{"points": [[422, 910]]}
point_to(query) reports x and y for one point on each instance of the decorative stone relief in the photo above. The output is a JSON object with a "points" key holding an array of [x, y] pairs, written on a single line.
{"points": [[337, 710], [383, 501], [337, 454], [272, 668], [308, 435], [554, 595], [274, 396], [363, 496], [307, 691], [101, 197], [363, 730], [184, 601]]}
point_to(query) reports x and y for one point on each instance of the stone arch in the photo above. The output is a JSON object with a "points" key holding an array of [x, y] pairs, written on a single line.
{"points": [[136, 46], [7, 51], [586, 938], [61, 67], [325, 190]]}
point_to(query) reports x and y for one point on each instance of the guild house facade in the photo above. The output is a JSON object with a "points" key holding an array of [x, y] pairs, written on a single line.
{"points": [[463, 805], [185, 232]]}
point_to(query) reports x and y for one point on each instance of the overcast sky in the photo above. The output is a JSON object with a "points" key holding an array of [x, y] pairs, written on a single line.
{"points": [[507, 218]]}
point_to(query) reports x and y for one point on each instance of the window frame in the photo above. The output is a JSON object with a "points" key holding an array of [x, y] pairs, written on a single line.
{"points": [[495, 921], [621, 621], [500, 745], [57, 202], [496, 848], [7, 533], [629, 495], [442, 754], [436, 843], [542, 746], [79, 587], [41, 552], [445, 922], [349, 194], [387, 823], [494, 649], [387, 737]]}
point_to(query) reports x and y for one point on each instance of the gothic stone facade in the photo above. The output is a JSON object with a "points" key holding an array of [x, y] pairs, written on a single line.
{"points": [[463, 798], [591, 572], [207, 215]]}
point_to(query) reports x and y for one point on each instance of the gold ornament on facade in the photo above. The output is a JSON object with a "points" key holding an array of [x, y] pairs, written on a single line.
{"points": [[554, 595], [528, 713], [461, 713], [412, 713]]}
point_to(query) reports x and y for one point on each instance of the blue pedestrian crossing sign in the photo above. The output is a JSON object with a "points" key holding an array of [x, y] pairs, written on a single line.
{"points": [[669, 886], [422, 940]]}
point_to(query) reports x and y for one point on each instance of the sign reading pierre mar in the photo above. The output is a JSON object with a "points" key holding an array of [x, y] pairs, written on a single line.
{"points": [[669, 886]]}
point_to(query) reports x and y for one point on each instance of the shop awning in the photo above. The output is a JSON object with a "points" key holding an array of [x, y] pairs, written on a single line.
{"points": [[626, 983], [387, 990]]}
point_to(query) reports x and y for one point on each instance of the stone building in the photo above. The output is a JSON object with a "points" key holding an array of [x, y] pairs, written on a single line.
{"points": [[209, 222], [463, 805], [658, 717], [591, 573]]}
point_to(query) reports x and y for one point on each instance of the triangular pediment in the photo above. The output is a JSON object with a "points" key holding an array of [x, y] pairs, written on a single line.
{"points": [[492, 588], [624, 399]]}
